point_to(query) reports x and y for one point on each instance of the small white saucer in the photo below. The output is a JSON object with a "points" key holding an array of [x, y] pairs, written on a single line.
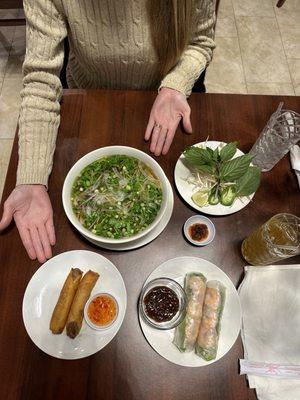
{"points": [[199, 219]]}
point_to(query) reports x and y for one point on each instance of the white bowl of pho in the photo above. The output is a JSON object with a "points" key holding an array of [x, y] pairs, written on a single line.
{"points": [[115, 194]]}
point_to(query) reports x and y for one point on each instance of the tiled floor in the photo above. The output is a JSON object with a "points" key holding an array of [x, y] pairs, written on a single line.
{"points": [[258, 48], [258, 51]]}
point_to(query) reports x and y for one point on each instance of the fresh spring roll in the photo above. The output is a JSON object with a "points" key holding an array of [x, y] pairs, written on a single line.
{"points": [[207, 341], [75, 317], [187, 331], [62, 308]]}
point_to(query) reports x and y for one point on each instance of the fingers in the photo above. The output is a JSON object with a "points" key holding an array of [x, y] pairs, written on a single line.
{"points": [[30, 206], [154, 139], [162, 138], [37, 240], [45, 241], [6, 217], [169, 140], [186, 120], [149, 128], [160, 141], [50, 231], [27, 242], [37, 244]]}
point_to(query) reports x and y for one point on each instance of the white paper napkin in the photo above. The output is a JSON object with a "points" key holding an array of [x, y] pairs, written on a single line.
{"points": [[270, 299], [295, 160]]}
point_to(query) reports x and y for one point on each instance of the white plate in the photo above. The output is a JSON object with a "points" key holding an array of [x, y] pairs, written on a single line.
{"points": [[186, 189], [43, 291], [150, 236], [161, 341]]}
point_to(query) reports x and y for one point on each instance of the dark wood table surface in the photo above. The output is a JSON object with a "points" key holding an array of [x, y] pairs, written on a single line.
{"points": [[128, 368]]}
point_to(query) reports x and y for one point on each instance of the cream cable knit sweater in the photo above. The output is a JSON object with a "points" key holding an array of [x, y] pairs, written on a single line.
{"points": [[110, 47]]}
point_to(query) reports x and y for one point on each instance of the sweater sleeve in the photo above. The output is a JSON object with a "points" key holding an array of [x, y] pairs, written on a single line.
{"points": [[198, 53], [42, 90]]}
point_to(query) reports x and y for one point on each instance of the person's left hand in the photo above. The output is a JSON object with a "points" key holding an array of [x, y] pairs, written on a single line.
{"points": [[168, 109]]}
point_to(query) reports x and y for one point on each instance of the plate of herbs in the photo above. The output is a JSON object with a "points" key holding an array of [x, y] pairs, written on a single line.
{"points": [[216, 178]]}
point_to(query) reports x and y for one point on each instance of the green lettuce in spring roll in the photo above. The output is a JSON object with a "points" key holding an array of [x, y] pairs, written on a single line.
{"points": [[207, 341], [187, 331]]}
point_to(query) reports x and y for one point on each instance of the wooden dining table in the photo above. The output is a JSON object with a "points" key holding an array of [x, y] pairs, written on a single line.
{"points": [[128, 368]]}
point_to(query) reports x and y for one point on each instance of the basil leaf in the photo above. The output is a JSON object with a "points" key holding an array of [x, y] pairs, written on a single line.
{"points": [[216, 156], [211, 152], [249, 182], [197, 156], [206, 169], [228, 151], [233, 169]]}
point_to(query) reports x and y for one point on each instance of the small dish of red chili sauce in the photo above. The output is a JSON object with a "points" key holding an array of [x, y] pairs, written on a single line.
{"points": [[101, 311], [199, 230]]}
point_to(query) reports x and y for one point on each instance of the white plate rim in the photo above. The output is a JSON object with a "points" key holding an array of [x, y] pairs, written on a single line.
{"points": [[219, 209], [144, 325], [35, 275]]}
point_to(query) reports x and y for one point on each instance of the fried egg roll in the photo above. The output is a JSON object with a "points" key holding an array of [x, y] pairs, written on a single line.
{"points": [[64, 302], [208, 338], [75, 317], [187, 331]]}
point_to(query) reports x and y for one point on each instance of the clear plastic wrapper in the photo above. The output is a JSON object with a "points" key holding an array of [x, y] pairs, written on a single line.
{"points": [[209, 332], [187, 331]]}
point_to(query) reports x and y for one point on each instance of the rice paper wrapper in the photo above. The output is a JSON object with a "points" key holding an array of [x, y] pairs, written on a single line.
{"points": [[209, 332], [187, 331]]}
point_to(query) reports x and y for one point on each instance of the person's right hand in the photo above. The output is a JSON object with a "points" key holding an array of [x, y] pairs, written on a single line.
{"points": [[31, 209]]}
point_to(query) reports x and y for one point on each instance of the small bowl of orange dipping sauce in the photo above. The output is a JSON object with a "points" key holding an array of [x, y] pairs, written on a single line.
{"points": [[101, 311]]}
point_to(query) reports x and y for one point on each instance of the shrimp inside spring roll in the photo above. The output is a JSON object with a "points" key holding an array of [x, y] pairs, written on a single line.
{"points": [[63, 305], [75, 317], [187, 331], [207, 341]]}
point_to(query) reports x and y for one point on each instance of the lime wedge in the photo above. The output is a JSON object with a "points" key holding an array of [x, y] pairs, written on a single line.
{"points": [[200, 198]]}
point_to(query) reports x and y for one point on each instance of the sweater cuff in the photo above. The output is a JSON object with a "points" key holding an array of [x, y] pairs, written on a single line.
{"points": [[176, 82], [35, 156], [36, 149], [30, 177]]}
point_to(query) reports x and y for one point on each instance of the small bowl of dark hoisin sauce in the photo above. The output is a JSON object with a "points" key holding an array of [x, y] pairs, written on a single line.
{"points": [[162, 303], [199, 230]]}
